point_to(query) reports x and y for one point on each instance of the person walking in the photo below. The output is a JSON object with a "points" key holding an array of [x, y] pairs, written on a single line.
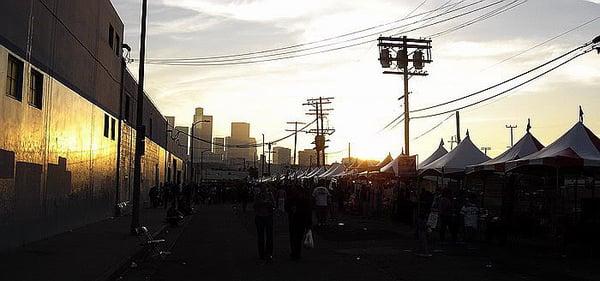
{"points": [[470, 213], [446, 216], [263, 209], [281, 195], [299, 217], [321, 195]]}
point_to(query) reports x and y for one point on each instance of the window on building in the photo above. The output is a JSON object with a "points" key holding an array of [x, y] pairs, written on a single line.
{"points": [[113, 128], [14, 78], [117, 45], [127, 106], [106, 125], [36, 89], [111, 36], [149, 132]]}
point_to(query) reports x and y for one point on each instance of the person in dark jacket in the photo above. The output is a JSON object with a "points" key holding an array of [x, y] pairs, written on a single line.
{"points": [[299, 212], [264, 203]]}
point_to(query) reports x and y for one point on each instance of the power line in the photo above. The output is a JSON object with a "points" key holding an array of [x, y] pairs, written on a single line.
{"points": [[480, 18], [312, 42], [505, 91], [210, 62], [500, 83], [276, 56], [544, 42], [434, 127], [491, 87]]}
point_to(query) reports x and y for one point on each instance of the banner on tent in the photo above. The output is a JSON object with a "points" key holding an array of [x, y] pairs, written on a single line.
{"points": [[407, 165]]}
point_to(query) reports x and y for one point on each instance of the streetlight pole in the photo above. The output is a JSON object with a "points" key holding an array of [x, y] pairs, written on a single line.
{"points": [[202, 165], [192, 147]]}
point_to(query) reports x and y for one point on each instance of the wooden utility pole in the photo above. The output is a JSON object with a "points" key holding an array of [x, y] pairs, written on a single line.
{"points": [[403, 47], [457, 127], [295, 130], [320, 132], [349, 155], [452, 141]]}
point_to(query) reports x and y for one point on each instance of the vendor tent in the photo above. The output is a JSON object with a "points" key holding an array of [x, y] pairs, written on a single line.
{"points": [[335, 169], [577, 148], [527, 145], [439, 152], [385, 161], [314, 172], [456, 161]]}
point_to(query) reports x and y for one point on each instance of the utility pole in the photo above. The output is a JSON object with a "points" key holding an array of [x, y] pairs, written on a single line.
{"points": [[140, 128], [269, 162], [262, 157], [452, 141], [295, 123], [420, 49], [511, 128], [349, 155], [485, 149], [457, 127], [320, 132]]}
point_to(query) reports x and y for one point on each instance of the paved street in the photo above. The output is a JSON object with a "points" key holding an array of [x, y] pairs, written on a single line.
{"points": [[217, 245]]}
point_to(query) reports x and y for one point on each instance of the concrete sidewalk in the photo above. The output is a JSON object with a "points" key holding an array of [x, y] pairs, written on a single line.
{"points": [[92, 252]]}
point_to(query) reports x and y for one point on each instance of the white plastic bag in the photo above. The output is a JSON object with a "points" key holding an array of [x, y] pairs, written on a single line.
{"points": [[309, 242], [432, 220]]}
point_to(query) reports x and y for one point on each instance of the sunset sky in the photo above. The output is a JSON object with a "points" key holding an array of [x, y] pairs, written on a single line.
{"points": [[269, 94]]}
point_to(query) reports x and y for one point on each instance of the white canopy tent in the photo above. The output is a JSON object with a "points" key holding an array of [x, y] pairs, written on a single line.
{"points": [[314, 172], [457, 160], [439, 152], [388, 159], [527, 145], [335, 169], [577, 148]]}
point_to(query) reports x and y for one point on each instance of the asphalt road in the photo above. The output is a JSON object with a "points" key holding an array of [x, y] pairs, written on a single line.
{"points": [[219, 245]]}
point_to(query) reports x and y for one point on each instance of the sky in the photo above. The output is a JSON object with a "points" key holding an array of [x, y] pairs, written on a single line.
{"points": [[269, 94]]}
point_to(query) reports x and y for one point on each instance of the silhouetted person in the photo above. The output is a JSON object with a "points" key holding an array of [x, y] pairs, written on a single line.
{"points": [[300, 218], [244, 196], [321, 195], [446, 214], [263, 208], [154, 196]]}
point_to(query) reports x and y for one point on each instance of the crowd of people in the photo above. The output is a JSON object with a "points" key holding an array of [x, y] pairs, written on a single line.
{"points": [[455, 217], [298, 200]]}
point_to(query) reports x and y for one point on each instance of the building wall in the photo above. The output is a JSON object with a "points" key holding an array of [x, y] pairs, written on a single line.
{"points": [[219, 148], [59, 168], [307, 157], [282, 155], [206, 131], [240, 131], [32, 30]]}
